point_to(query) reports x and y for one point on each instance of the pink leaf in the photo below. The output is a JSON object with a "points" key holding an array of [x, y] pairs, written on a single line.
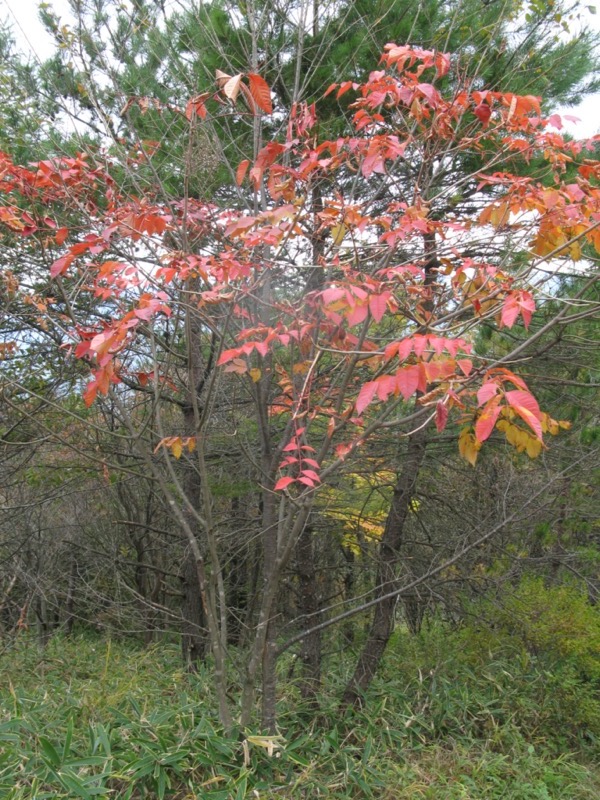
{"points": [[487, 419], [378, 306], [310, 473], [486, 392], [526, 406], [386, 386], [404, 349], [366, 395], [283, 483], [311, 462], [228, 355], [510, 311], [262, 348], [358, 314], [61, 265], [407, 380], [419, 344]]}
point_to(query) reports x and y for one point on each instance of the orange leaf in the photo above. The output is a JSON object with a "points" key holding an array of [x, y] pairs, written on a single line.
{"points": [[60, 235], [240, 172], [260, 92]]}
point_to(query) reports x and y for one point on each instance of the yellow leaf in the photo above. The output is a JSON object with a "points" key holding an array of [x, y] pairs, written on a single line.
{"points": [[269, 743], [177, 447], [191, 444], [534, 446], [468, 446], [301, 368], [521, 439], [255, 374], [338, 232]]}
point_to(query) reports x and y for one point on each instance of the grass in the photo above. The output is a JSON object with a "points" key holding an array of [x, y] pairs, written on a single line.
{"points": [[92, 718]]}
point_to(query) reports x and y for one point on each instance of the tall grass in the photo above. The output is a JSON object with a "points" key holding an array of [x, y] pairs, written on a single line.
{"points": [[455, 715]]}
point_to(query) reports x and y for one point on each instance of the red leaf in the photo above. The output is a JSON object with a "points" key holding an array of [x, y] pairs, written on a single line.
{"points": [[306, 481], [483, 113], [366, 395], [261, 93], [196, 107], [82, 349], [466, 365], [60, 235], [441, 416], [386, 385], [344, 87], [262, 348], [61, 265], [419, 344], [283, 483], [90, 393]]}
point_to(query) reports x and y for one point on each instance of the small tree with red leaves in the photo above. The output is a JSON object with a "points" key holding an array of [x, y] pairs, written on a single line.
{"points": [[341, 297]]}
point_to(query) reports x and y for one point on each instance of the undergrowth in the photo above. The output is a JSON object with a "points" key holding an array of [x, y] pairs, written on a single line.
{"points": [[467, 714]]}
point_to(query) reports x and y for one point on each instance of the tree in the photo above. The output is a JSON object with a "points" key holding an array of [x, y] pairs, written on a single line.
{"points": [[119, 72], [309, 330]]}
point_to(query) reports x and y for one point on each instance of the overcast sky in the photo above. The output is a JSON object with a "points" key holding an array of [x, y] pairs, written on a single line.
{"points": [[22, 15]]}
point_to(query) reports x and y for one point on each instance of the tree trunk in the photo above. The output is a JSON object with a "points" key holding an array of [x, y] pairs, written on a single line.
{"points": [[269, 678], [70, 603], [387, 572], [309, 601], [194, 640]]}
